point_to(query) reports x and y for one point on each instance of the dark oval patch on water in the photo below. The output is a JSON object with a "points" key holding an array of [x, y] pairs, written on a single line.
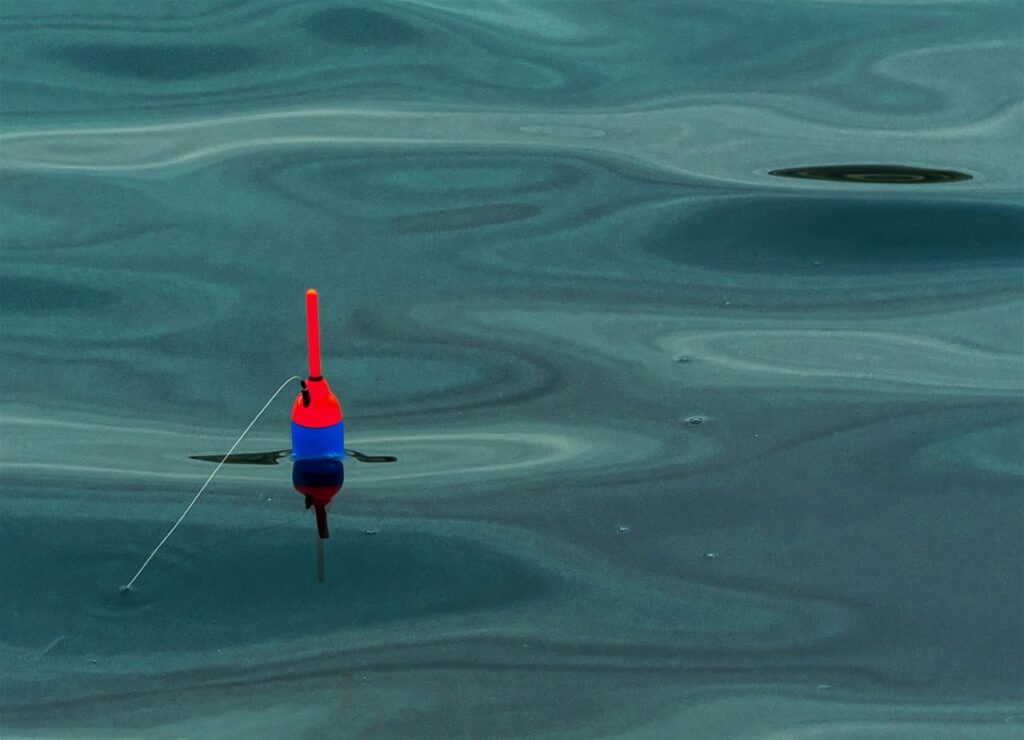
{"points": [[166, 63], [359, 27], [63, 578], [873, 174], [794, 233], [36, 296]]}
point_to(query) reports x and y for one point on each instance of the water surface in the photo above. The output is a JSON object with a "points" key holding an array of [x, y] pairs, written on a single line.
{"points": [[685, 448]]}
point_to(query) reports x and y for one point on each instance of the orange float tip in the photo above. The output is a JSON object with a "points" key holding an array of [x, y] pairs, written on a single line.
{"points": [[313, 333]]}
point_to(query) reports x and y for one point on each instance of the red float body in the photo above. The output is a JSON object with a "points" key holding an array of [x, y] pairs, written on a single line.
{"points": [[318, 443], [323, 409]]}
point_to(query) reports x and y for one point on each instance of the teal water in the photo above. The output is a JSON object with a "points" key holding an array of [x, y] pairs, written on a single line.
{"points": [[685, 448]]}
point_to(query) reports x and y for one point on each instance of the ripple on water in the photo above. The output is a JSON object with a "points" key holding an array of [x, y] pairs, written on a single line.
{"points": [[816, 358], [411, 377], [257, 590], [402, 188], [444, 463], [455, 219], [564, 132]]}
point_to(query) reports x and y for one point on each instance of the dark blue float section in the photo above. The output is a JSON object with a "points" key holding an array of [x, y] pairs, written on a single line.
{"points": [[313, 476], [319, 479], [318, 442]]}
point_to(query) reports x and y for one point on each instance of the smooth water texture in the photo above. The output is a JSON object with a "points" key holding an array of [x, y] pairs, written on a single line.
{"points": [[695, 328]]}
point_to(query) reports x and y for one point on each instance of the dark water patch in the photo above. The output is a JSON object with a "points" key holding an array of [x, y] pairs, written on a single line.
{"points": [[63, 577], [873, 174], [464, 218], [360, 27], [36, 296], [60, 210], [993, 453], [79, 306], [832, 234], [164, 63]]}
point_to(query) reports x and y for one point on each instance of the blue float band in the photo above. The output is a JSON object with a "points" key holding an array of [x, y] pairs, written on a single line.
{"points": [[318, 442], [318, 477]]}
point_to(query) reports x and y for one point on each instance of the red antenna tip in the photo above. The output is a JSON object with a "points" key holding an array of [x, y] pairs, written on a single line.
{"points": [[313, 333]]}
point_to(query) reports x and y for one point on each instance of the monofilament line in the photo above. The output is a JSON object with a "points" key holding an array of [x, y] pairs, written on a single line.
{"points": [[203, 488]]}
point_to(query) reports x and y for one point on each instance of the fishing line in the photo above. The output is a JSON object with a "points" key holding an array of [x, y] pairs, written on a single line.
{"points": [[203, 488]]}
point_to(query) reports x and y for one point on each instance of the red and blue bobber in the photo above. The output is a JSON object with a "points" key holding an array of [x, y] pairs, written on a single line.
{"points": [[318, 436]]}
